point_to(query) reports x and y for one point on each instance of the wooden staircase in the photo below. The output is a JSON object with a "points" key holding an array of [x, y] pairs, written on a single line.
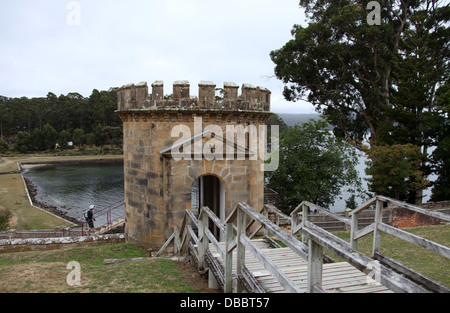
{"points": [[111, 228], [244, 263]]}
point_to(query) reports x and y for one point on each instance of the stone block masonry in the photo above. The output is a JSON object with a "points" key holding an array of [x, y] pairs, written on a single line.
{"points": [[37, 244], [158, 186]]}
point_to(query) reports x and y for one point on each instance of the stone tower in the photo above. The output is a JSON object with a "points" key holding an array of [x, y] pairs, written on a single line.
{"points": [[183, 152]]}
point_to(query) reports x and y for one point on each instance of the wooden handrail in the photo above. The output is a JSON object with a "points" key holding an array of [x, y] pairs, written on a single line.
{"points": [[234, 230], [386, 277]]}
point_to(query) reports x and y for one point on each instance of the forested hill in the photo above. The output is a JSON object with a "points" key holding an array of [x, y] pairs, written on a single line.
{"points": [[39, 123], [292, 119]]}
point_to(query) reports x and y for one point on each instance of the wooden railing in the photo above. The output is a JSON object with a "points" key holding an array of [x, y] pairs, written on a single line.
{"points": [[239, 241], [244, 222], [301, 224], [378, 226]]}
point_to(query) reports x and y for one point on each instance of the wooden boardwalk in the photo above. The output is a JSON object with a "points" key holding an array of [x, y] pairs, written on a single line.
{"points": [[338, 277], [242, 263]]}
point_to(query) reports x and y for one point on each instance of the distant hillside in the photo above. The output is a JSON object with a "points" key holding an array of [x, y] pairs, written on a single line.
{"points": [[292, 119]]}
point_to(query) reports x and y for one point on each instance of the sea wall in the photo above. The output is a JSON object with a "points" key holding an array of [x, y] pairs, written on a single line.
{"points": [[33, 244]]}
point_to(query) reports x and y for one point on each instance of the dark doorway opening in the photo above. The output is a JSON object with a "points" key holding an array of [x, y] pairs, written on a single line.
{"points": [[209, 191]]}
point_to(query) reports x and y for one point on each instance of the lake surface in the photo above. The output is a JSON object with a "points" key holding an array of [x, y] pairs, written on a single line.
{"points": [[73, 188]]}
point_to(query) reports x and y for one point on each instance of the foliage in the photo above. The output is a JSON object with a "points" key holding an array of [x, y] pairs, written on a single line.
{"points": [[375, 82], [3, 146], [23, 142], [276, 120], [5, 216], [314, 166], [395, 170], [441, 155], [78, 137], [54, 119]]}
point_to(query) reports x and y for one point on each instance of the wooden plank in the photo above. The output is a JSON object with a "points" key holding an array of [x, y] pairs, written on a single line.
{"points": [[363, 232], [376, 233], [214, 218], [166, 244], [363, 206], [315, 265], [329, 213], [353, 231], [340, 247], [228, 281], [251, 280], [441, 216], [419, 241], [284, 237], [270, 266], [417, 277]]}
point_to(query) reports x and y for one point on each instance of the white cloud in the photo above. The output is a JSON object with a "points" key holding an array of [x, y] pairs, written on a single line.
{"points": [[118, 42]]}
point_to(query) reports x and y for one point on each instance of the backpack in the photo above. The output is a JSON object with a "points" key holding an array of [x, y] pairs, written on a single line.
{"points": [[85, 215]]}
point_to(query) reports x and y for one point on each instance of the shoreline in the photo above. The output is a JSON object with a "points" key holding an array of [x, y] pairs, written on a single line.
{"points": [[32, 192], [31, 189], [31, 164]]}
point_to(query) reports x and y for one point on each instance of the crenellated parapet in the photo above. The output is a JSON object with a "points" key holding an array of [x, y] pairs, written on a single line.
{"points": [[137, 97]]}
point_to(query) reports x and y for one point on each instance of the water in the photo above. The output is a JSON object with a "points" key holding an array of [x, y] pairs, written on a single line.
{"points": [[73, 188]]}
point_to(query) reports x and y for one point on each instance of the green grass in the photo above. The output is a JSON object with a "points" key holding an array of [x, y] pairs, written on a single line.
{"points": [[46, 272], [419, 259], [13, 194], [26, 217]]}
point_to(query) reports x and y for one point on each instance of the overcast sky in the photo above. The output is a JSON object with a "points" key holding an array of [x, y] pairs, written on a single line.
{"points": [[64, 46]]}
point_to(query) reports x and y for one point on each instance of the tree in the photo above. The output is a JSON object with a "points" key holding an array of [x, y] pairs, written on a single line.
{"points": [[3, 146], [37, 140], [78, 137], [5, 216], [395, 170], [112, 135], [441, 155], [64, 138], [23, 142], [99, 136], [49, 136], [4, 114], [314, 166], [371, 81]]}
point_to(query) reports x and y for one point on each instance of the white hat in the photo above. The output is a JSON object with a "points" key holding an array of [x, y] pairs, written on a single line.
{"points": [[91, 207]]}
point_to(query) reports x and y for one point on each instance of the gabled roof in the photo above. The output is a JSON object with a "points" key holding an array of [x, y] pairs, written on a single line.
{"points": [[227, 145]]}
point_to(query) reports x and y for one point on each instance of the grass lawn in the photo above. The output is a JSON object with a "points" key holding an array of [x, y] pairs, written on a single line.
{"points": [[13, 195], [46, 272], [26, 217], [419, 259]]}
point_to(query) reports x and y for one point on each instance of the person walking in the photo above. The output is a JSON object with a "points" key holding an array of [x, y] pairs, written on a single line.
{"points": [[90, 218]]}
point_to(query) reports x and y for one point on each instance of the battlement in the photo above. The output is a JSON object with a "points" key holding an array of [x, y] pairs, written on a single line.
{"points": [[137, 97]]}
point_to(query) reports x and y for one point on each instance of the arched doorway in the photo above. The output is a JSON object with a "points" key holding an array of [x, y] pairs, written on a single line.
{"points": [[209, 191]]}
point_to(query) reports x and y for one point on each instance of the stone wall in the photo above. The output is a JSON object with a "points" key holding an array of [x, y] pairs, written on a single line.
{"points": [[21, 245], [157, 186]]}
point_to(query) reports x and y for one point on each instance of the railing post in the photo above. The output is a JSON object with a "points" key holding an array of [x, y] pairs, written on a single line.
{"points": [[241, 227], [315, 265], [228, 259], [294, 223], [304, 220], [203, 240], [354, 229], [376, 231], [266, 215]]}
